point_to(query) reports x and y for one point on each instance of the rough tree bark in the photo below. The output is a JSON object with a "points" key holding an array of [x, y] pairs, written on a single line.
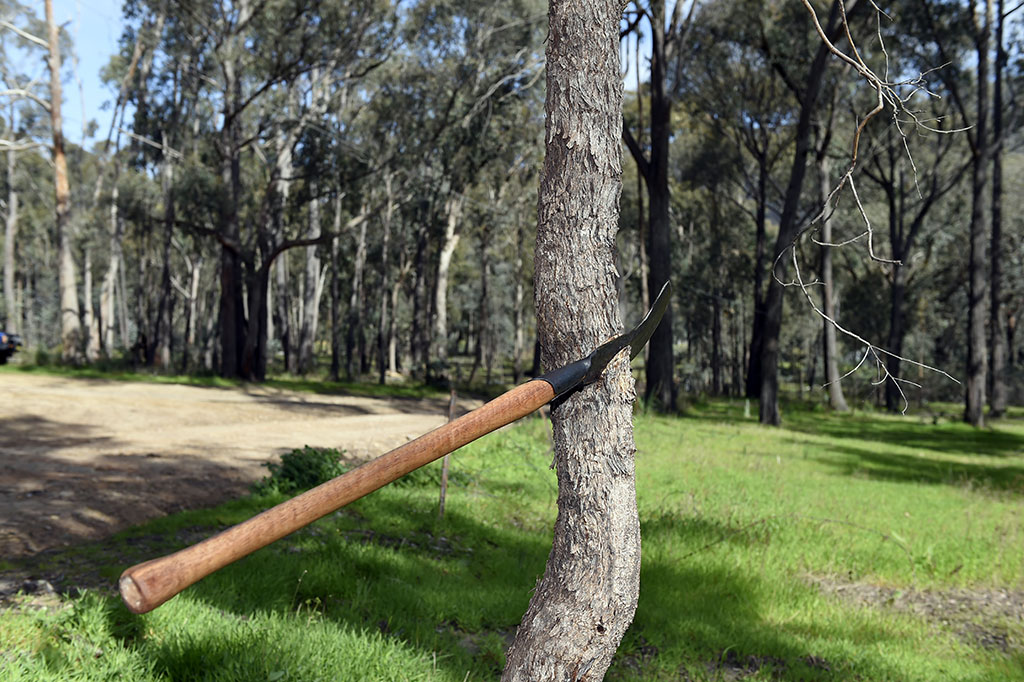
{"points": [[998, 394], [70, 326], [977, 355], [588, 595]]}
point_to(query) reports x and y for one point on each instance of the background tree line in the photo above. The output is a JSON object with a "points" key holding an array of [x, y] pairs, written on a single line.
{"points": [[348, 189]]}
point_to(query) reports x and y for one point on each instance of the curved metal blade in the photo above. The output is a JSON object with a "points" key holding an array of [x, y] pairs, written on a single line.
{"points": [[636, 338], [588, 369]]}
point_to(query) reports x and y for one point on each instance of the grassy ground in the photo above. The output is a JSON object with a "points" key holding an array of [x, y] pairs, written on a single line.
{"points": [[845, 547]]}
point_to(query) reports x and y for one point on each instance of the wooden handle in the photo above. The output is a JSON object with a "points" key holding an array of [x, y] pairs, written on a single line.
{"points": [[148, 585]]}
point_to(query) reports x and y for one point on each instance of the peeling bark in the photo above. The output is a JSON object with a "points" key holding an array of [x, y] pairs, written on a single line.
{"points": [[588, 595]]}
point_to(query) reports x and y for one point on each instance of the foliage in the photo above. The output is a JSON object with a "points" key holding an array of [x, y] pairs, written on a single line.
{"points": [[301, 469]]}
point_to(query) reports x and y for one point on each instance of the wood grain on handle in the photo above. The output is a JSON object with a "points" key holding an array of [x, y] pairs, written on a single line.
{"points": [[148, 585]]}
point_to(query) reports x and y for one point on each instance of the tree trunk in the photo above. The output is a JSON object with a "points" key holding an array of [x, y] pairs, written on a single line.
{"points": [[788, 227], [977, 358], [232, 315], [836, 399], [661, 387], [108, 311], [355, 307], [312, 290], [12, 320], [195, 273], [92, 331], [336, 294], [418, 337], [517, 306], [588, 595], [716, 299], [163, 329], [70, 327], [997, 315], [383, 329], [439, 352], [754, 373]]}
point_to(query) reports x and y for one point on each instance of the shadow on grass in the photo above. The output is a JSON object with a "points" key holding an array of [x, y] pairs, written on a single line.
{"points": [[947, 437], [889, 466], [458, 588]]}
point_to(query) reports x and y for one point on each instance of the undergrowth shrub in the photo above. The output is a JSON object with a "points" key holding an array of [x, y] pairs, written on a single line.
{"points": [[300, 469]]}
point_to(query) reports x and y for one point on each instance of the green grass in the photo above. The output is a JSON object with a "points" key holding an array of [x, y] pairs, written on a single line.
{"points": [[738, 521]]}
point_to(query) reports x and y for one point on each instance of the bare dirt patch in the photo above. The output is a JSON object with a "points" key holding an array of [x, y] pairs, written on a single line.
{"points": [[992, 618], [82, 458]]}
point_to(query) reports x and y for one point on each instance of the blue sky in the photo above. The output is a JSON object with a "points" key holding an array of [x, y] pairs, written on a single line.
{"points": [[95, 27]]}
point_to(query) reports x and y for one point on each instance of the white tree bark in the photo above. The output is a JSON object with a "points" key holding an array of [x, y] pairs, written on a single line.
{"points": [[453, 214]]}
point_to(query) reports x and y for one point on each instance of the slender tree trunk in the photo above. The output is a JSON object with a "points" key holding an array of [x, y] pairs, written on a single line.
{"points": [[517, 309], [108, 314], [482, 310], [754, 373], [355, 307], [788, 227], [312, 290], [977, 357], [997, 322], [396, 290], [12, 319], [661, 387], [383, 329], [439, 352], [588, 595], [91, 324], [418, 337], [716, 301], [336, 294], [836, 399], [195, 273], [163, 329], [70, 326]]}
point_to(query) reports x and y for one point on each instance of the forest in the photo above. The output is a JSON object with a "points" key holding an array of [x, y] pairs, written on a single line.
{"points": [[348, 190]]}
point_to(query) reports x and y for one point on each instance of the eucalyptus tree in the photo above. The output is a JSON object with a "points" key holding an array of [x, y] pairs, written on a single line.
{"points": [[803, 67], [468, 64], [257, 104], [668, 38], [24, 98], [952, 33], [32, 34], [913, 180], [733, 83]]}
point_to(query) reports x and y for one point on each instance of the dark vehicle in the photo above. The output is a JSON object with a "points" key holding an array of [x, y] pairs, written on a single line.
{"points": [[9, 345]]}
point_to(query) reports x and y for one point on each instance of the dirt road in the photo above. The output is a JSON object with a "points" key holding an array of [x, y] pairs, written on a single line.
{"points": [[83, 458]]}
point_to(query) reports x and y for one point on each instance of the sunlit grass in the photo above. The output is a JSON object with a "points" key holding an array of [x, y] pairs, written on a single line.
{"points": [[738, 521]]}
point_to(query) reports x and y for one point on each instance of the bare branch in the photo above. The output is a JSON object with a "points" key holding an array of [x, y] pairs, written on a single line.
{"points": [[26, 94], [24, 34]]}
